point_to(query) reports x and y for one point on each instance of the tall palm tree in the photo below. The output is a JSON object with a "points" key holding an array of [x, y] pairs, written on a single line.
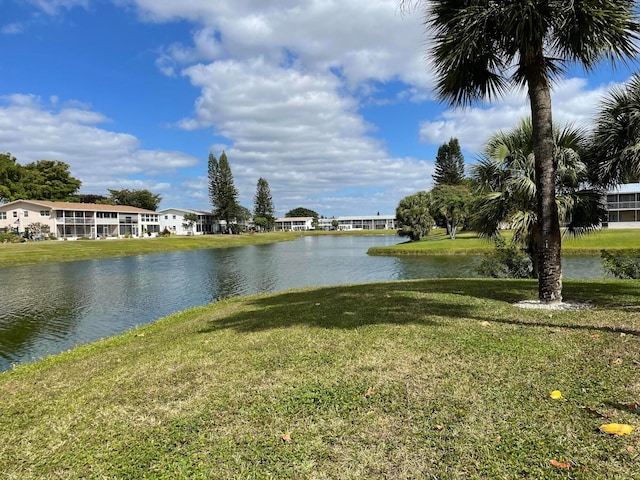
{"points": [[506, 182], [481, 48], [615, 152]]}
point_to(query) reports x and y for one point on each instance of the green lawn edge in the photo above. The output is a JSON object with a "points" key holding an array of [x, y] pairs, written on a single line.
{"points": [[469, 243], [441, 378]]}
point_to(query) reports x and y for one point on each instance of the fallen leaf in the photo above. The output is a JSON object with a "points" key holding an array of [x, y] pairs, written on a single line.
{"points": [[485, 323], [440, 427], [369, 392], [139, 334], [617, 361], [595, 335], [630, 448], [618, 429], [498, 438], [286, 437], [558, 464], [556, 395]]}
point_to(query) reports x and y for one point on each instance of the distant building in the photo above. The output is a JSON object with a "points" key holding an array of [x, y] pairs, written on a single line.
{"points": [[371, 222], [294, 223], [172, 219], [67, 220], [623, 206]]}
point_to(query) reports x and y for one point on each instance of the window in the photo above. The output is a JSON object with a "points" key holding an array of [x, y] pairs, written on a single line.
{"points": [[166, 217], [3, 215], [15, 214], [174, 217], [25, 213], [44, 213]]}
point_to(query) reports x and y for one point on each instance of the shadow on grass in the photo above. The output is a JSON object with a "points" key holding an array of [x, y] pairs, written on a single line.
{"points": [[425, 302]]}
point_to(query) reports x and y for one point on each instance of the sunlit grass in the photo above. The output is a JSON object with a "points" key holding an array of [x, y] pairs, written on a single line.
{"points": [[469, 243], [459, 383], [12, 254]]}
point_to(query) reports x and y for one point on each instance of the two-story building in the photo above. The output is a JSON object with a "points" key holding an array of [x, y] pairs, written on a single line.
{"points": [[67, 220], [294, 223], [623, 206], [361, 222], [172, 219]]}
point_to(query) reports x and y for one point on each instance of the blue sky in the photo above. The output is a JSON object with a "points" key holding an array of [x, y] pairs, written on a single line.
{"points": [[330, 101]]}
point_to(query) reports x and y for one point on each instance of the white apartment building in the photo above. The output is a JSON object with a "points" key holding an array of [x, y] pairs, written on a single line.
{"points": [[294, 223], [173, 220], [623, 206], [370, 222], [67, 220]]}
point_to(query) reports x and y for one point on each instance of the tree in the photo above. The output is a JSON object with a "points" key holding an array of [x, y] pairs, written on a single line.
{"points": [[136, 198], [40, 180], [91, 198], [615, 152], [335, 223], [412, 216], [452, 203], [481, 48], [449, 167], [263, 205], [506, 181], [222, 191], [301, 212], [190, 220]]}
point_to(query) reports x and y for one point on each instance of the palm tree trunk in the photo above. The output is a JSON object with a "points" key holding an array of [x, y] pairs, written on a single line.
{"points": [[548, 241]]}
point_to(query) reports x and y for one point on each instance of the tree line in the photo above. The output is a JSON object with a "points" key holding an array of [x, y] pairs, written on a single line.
{"points": [[51, 180]]}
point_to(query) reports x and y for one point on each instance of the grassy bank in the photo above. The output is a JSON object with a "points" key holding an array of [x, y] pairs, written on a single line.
{"points": [[421, 379], [15, 254], [468, 243]]}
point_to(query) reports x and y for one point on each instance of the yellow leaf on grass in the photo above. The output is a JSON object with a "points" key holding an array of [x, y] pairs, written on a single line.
{"points": [[286, 437], [558, 464], [616, 429], [556, 394], [369, 392]]}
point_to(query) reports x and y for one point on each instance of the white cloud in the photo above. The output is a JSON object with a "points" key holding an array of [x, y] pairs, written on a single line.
{"points": [[573, 102], [53, 7], [100, 158], [12, 28]]}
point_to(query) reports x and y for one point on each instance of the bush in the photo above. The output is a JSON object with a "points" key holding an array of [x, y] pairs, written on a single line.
{"points": [[10, 237], [621, 265], [505, 262], [165, 233]]}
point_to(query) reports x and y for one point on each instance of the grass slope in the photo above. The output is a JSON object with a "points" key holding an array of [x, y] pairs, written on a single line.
{"points": [[29, 253], [468, 243], [458, 382]]}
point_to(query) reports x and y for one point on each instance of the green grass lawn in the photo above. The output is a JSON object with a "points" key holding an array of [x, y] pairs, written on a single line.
{"points": [[468, 243], [29, 253], [458, 384]]}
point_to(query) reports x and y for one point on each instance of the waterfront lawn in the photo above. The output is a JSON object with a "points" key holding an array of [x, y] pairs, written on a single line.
{"points": [[416, 379], [468, 243], [29, 253]]}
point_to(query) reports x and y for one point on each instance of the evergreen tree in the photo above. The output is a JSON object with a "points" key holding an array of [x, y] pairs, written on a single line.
{"points": [[449, 168], [263, 204], [222, 192]]}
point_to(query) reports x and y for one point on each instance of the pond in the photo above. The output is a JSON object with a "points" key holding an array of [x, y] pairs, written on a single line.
{"points": [[52, 308]]}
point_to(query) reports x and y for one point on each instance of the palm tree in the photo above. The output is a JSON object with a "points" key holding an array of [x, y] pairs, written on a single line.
{"points": [[481, 48], [615, 152], [506, 182]]}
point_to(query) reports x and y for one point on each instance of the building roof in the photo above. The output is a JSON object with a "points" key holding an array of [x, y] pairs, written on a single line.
{"points": [[294, 219], [94, 207], [626, 188], [185, 210]]}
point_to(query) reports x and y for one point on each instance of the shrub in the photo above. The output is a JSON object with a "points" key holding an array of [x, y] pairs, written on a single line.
{"points": [[505, 262], [621, 265]]}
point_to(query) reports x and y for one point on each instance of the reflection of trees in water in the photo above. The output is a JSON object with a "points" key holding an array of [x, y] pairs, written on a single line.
{"points": [[40, 302]]}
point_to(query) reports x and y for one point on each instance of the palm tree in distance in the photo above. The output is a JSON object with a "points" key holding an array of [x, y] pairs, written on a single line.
{"points": [[482, 48], [615, 152], [506, 184]]}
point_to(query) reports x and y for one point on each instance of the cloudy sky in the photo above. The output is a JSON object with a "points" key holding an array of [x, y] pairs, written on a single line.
{"points": [[330, 101]]}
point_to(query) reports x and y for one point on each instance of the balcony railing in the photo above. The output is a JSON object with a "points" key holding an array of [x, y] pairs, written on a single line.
{"points": [[623, 205]]}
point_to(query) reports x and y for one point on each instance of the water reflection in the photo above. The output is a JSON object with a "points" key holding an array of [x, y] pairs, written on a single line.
{"points": [[51, 308]]}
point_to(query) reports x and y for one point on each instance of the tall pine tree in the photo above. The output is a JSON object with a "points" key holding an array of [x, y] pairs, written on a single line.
{"points": [[222, 192], [449, 168], [263, 209]]}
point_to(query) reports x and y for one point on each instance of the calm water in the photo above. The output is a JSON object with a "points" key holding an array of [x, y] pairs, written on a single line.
{"points": [[51, 308]]}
